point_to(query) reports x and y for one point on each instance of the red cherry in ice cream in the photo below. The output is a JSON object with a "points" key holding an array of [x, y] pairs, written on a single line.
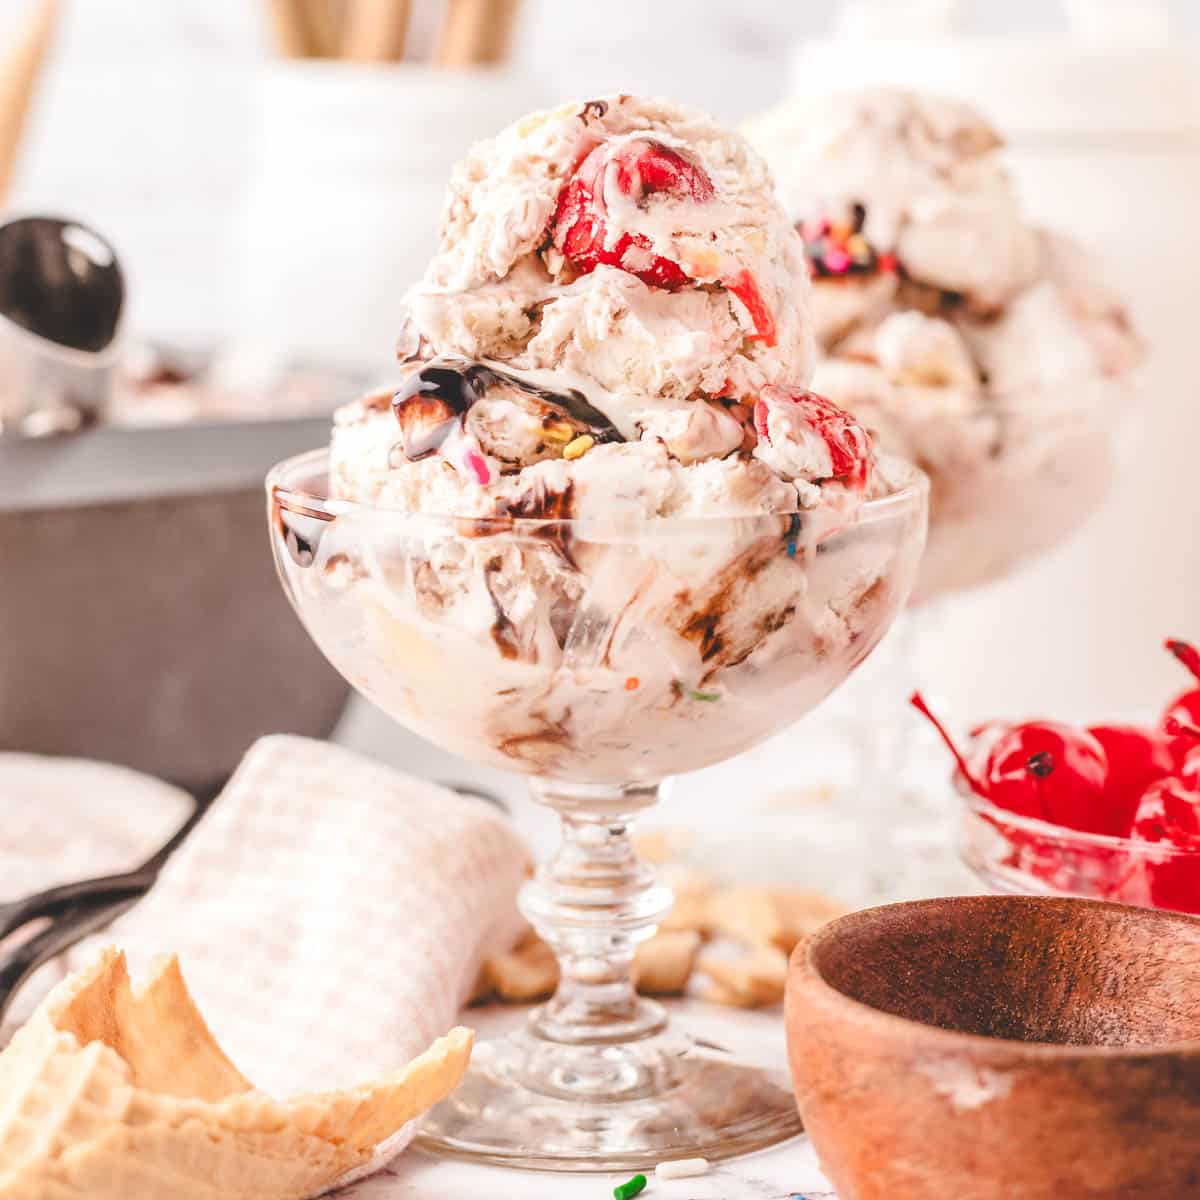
{"points": [[848, 442], [641, 168], [1185, 708], [1137, 757], [744, 287]]}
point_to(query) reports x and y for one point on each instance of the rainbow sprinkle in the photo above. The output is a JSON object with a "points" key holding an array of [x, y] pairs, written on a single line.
{"points": [[838, 248], [630, 1188]]}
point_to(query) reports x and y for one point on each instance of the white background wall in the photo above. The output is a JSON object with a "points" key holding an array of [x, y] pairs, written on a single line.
{"points": [[144, 117]]}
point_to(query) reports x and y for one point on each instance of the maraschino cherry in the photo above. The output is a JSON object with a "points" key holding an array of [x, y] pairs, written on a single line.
{"points": [[848, 442], [642, 167], [1041, 769], [1137, 757], [1188, 771], [1168, 815], [1186, 706]]}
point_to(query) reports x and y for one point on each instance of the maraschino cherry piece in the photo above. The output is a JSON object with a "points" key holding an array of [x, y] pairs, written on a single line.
{"points": [[848, 442], [1187, 770], [1186, 706], [1052, 771], [746, 289], [1137, 757], [1168, 812], [1168, 815], [642, 167], [1040, 769]]}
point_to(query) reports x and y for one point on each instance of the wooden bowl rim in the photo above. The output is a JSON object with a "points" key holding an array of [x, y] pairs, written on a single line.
{"points": [[823, 993]]}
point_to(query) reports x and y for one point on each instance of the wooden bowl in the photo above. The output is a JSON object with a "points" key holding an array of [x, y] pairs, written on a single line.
{"points": [[1001, 1048]]}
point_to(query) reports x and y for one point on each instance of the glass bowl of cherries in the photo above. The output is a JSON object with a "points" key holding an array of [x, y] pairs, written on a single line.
{"points": [[1108, 812]]}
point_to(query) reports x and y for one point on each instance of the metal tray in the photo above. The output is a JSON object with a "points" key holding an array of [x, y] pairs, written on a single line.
{"points": [[140, 618]]}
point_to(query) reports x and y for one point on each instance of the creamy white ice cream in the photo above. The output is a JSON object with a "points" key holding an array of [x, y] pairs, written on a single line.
{"points": [[636, 517]]}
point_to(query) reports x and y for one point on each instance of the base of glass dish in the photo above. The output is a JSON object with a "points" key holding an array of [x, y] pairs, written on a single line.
{"points": [[665, 1098]]}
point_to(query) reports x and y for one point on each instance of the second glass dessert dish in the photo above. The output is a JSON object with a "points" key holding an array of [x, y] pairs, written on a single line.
{"points": [[601, 533]]}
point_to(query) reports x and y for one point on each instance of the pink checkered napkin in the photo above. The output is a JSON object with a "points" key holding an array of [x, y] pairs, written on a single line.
{"points": [[330, 914]]}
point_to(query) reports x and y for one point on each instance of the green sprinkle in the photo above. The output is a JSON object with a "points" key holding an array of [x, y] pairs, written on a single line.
{"points": [[630, 1188], [708, 697]]}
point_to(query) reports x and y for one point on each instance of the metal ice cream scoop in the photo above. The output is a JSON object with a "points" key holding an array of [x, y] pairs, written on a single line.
{"points": [[62, 292]]}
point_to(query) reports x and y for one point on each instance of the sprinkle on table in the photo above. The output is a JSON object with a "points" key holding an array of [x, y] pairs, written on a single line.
{"points": [[707, 697], [682, 1168], [630, 1188], [579, 447]]}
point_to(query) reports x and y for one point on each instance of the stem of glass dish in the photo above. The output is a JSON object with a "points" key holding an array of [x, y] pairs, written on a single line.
{"points": [[594, 903]]}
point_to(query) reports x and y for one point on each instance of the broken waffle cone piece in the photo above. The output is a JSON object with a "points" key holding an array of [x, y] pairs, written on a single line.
{"points": [[107, 1092]]}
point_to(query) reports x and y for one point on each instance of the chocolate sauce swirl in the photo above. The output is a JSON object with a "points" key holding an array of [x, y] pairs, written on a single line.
{"points": [[434, 400]]}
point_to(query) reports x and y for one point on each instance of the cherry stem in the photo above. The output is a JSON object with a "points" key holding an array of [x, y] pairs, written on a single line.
{"points": [[1177, 728], [1187, 654], [918, 702]]}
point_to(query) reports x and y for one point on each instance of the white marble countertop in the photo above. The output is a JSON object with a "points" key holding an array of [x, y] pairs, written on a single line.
{"points": [[785, 1171]]}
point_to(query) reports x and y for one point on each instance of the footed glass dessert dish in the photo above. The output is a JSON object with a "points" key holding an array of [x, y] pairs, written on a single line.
{"points": [[598, 658]]}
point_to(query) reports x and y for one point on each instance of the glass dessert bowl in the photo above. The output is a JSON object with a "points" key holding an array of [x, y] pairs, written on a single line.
{"points": [[1014, 853], [599, 658], [1018, 475]]}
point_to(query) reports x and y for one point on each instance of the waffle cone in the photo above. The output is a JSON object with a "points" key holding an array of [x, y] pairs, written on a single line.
{"points": [[107, 1092]]}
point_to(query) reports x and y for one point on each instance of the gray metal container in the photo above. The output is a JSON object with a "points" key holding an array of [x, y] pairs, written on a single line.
{"points": [[141, 621]]}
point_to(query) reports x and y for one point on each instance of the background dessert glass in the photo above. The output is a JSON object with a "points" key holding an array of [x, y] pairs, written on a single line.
{"points": [[649, 648]]}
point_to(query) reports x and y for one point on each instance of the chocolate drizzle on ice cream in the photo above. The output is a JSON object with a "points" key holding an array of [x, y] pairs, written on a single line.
{"points": [[437, 398]]}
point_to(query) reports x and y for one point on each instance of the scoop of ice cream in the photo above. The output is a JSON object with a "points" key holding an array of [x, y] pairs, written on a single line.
{"points": [[915, 178], [1100, 313], [986, 351], [634, 245], [1033, 343], [912, 382], [615, 274]]}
